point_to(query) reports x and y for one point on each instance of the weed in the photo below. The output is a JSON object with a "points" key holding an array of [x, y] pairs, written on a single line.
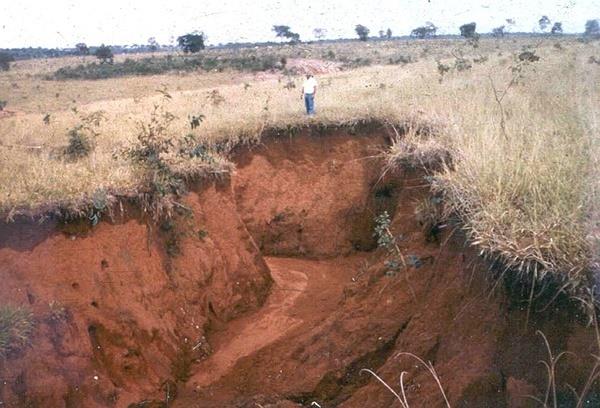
{"points": [[80, 145], [16, 327], [82, 138], [195, 120], [387, 240], [528, 56], [402, 399]]}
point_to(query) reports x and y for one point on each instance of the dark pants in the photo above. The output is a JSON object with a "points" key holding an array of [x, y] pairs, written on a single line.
{"points": [[309, 102]]}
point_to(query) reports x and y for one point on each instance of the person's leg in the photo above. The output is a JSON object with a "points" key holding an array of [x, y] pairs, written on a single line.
{"points": [[307, 103], [311, 104]]}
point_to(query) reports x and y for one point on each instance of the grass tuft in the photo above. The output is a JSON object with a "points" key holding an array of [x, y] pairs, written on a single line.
{"points": [[16, 327]]}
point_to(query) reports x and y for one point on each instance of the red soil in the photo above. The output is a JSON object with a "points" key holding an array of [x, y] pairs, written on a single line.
{"points": [[132, 311], [324, 320]]}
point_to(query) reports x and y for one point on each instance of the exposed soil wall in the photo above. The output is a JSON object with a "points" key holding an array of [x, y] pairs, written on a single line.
{"points": [[191, 307], [314, 194], [122, 307]]}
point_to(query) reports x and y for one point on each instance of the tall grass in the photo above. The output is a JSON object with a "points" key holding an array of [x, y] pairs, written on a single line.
{"points": [[527, 190]]}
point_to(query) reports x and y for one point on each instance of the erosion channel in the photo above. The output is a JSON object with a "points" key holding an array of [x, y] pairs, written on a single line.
{"points": [[271, 291]]}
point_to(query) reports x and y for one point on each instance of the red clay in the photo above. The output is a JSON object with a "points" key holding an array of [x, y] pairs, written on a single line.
{"points": [[248, 333]]}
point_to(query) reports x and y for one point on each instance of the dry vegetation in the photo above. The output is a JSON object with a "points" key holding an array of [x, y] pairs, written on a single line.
{"points": [[527, 190]]}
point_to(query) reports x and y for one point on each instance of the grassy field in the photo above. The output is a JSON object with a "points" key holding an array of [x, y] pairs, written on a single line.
{"points": [[522, 135]]}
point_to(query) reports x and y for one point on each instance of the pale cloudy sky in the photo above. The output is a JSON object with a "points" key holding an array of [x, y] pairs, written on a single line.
{"points": [[61, 23]]}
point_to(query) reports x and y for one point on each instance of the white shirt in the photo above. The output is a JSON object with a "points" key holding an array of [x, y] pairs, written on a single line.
{"points": [[309, 86]]}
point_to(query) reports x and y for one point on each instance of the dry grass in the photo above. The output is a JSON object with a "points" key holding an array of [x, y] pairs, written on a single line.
{"points": [[16, 326], [528, 193]]}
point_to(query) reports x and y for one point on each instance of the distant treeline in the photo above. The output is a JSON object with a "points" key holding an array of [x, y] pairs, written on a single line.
{"points": [[39, 52]]}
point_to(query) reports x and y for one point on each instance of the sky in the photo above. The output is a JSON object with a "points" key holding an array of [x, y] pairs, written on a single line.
{"points": [[63, 23]]}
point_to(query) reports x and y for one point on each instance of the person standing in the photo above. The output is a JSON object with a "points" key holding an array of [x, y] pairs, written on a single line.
{"points": [[309, 90]]}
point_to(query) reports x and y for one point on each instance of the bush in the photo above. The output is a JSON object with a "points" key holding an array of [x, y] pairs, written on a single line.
{"points": [[5, 60], [104, 54], [191, 43], [167, 160], [468, 30], [362, 32], [16, 327], [156, 66], [3, 105], [80, 145], [82, 138], [400, 60]]}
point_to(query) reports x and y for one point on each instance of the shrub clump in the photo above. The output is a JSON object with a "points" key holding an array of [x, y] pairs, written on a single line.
{"points": [[169, 63], [82, 138], [16, 327], [167, 161]]}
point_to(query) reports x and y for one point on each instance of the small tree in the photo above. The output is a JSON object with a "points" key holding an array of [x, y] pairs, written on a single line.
{"points": [[362, 32], [283, 31], [388, 33], [104, 54], [428, 30], [544, 22], [592, 28], [557, 28], [5, 60], [192, 42], [468, 30], [381, 34], [319, 33], [82, 49], [498, 31], [153, 44]]}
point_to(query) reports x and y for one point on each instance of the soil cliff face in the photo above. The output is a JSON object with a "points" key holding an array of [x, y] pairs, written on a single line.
{"points": [[316, 194], [122, 308]]}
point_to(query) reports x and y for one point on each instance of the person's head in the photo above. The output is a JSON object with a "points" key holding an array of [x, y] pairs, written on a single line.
{"points": [[308, 76]]}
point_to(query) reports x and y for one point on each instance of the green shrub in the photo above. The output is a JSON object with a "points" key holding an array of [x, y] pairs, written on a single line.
{"points": [[5, 60], [169, 63], [82, 138], [16, 327], [80, 145], [167, 160]]}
